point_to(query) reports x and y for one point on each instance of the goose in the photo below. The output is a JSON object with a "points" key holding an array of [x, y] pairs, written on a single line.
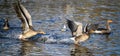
{"points": [[80, 36], [106, 30], [26, 20], [6, 24]]}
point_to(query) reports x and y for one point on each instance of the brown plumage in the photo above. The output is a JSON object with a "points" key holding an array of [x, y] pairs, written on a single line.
{"points": [[29, 34], [81, 38]]}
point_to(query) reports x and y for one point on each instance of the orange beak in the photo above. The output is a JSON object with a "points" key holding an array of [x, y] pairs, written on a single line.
{"points": [[110, 21]]}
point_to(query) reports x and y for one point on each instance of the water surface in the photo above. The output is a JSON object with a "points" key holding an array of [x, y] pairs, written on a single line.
{"points": [[50, 15]]}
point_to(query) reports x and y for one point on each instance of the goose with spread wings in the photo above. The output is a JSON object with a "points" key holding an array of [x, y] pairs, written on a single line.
{"points": [[79, 34], [25, 17]]}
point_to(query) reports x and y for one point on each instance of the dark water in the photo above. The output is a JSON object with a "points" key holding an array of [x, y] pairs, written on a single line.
{"points": [[50, 15]]}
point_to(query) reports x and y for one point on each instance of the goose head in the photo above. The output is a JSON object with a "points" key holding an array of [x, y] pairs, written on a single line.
{"points": [[109, 21]]}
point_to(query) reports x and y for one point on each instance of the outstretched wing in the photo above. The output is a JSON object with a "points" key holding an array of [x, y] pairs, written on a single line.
{"points": [[72, 26], [26, 14], [19, 9]]}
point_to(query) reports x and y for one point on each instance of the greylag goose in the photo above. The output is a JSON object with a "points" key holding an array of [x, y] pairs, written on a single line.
{"points": [[25, 17], [79, 35], [6, 24], [106, 30]]}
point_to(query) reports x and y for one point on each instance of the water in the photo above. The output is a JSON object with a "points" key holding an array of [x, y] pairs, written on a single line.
{"points": [[50, 15]]}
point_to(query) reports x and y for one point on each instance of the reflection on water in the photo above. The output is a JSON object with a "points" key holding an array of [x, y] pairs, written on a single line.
{"points": [[26, 48], [81, 51], [50, 15]]}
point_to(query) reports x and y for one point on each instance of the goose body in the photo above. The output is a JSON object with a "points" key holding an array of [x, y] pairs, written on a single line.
{"points": [[81, 38], [29, 34], [6, 24], [25, 17], [101, 31]]}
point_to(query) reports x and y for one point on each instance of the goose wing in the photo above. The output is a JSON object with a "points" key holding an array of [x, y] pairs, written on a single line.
{"points": [[25, 13], [19, 11], [75, 27], [72, 26]]}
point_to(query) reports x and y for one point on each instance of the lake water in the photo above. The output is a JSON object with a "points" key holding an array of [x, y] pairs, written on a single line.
{"points": [[50, 16]]}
